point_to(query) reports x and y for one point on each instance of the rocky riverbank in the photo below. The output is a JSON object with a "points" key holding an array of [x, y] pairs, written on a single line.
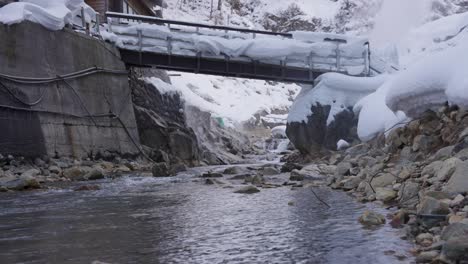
{"points": [[421, 170]]}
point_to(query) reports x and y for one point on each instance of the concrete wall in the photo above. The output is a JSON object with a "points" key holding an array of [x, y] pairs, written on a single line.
{"points": [[57, 124]]}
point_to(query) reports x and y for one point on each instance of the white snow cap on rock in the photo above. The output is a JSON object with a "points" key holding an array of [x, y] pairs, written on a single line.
{"points": [[52, 14], [342, 144], [337, 90], [279, 131]]}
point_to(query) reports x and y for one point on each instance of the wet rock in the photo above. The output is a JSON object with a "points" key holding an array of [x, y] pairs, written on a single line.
{"points": [[408, 194], [369, 218], [209, 182], [296, 176], [241, 177], [160, 170], [22, 183], [94, 174], [270, 171], [427, 256], [87, 188], [76, 173], [458, 183], [456, 249], [288, 167], [424, 238], [248, 190], [385, 195], [399, 219], [232, 170], [212, 175], [55, 169], [178, 168]]}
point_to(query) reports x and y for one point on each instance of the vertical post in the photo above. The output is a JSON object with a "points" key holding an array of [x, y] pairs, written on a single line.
{"points": [[140, 44], [198, 30], [311, 65], [169, 45], [98, 30], [83, 20], [254, 35], [368, 59], [338, 56]]}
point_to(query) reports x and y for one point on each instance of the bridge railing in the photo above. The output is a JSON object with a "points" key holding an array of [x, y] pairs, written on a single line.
{"points": [[176, 36]]}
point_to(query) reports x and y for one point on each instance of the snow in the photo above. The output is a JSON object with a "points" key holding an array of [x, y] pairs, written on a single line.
{"points": [[342, 144], [304, 48], [53, 15], [279, 131], [337, 90], [236, 100]]}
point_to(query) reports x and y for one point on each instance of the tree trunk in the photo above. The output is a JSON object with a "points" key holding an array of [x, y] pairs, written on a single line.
{"points": [[220, 4]]}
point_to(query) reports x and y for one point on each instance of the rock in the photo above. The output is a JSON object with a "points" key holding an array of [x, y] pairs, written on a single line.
{"points": [[456, 249], [458, 183], [443, 153], [270, 171], [447, 169], [315, 134], [257, 180], [457, 200], [427, 256], [327, 169], [385, 195], [383, 181], [87, 188], [432, 168], [178, 168], [288, 167], [369, 218], [248, 190], [232, 171], [296, 176], [455, 230], [455, 219], [22, 183], [399, 219], [433, 206], [31, 173], [160, 170], [424, 236], [438, 195], [241, 177], [343, 168], [55, 169], [351, 183], [408, 194], [209, 182], [76, 173], [212, 175], [423, 143], [94, 174]]}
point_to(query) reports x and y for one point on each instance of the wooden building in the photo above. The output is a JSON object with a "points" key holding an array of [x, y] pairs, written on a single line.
{"points": [[138, 7]]}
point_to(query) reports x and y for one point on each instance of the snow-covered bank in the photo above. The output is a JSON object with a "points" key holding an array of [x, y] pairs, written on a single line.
{"points": [[53, 15]]}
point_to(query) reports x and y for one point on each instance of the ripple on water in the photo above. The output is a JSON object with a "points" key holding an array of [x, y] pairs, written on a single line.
{"points": [[175, 220]]}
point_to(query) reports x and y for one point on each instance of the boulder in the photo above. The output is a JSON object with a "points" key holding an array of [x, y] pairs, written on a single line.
{"points": [[94, 174], [160, 170], [350, 183], [456, 249], [343, 168], [385, 195], [447, 169], [316, 133], [288, 167], [384, 180], [22, 183], [212, 175], [427, 256], [232, 170], [369, 218], [408, 194], [455, 230], [248, 190], [432, 168], [431, 206], [458, 183], [76, 173], [267, 171], [296, 176], [443, 153]]}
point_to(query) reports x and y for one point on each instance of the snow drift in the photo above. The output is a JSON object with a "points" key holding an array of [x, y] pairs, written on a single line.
{"points": [[53, 15]]}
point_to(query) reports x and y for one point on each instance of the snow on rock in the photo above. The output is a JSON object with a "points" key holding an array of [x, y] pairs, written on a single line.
{"points": [[236, 100], [432, 82], [53, 15], [342, 144], [337, 90], [279, 132]]}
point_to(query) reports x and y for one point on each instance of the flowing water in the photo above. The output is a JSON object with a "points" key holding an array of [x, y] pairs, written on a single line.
{"points": [[181, 220]]}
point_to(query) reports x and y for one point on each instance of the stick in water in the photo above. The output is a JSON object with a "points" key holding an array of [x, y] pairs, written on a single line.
{"points": [[318, 198]]}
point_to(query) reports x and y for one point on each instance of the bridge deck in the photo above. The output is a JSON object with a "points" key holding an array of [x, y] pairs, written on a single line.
{"points": [[234, 52]]}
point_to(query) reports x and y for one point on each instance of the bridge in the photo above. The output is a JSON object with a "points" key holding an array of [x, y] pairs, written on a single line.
{"points": [[235, 52]]}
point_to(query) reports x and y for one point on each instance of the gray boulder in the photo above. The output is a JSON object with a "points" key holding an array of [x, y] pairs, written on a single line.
{"points": [[458, 183], [369, 218], [248, 190], [160, 170]]}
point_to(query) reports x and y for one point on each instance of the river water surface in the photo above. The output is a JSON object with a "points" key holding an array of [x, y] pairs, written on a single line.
{"points": [[181, 220]]}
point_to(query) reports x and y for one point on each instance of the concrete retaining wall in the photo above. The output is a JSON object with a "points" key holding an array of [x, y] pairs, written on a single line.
{"points": [[59, 124]]}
